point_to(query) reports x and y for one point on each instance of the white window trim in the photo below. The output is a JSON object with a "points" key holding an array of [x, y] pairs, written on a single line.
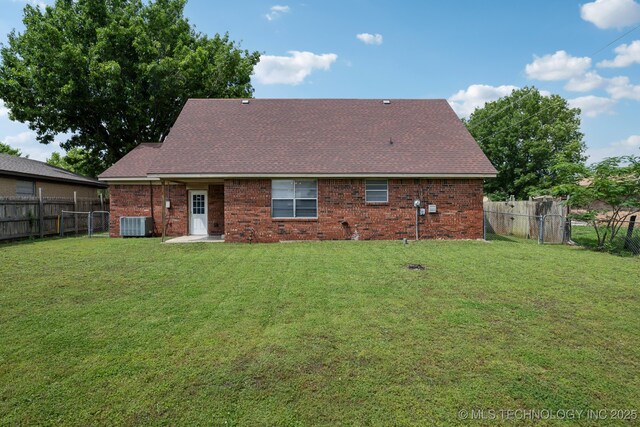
{"points": [[294, 200], [386, 192]]}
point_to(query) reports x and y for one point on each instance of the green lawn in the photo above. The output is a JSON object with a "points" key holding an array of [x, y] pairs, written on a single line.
{"points": [[585, 235], [132, 332]]}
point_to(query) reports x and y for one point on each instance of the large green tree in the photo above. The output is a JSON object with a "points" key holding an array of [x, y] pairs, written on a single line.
{"points": [[114, 73], [7, 149], [525, 135], [606, 194], [75, 160]]}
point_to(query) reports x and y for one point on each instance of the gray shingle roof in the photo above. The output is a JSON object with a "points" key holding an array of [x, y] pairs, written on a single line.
{"points": [[23, 167], [135, 163], [314, 136]]}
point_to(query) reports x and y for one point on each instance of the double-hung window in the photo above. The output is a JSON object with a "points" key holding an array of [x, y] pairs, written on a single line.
{"points": [[25, 188], [376, 191], [294, 198]]}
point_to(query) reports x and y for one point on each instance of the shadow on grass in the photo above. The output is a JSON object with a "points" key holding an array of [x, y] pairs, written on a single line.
{"points": [[34, 239], [510, 239], [589, 241]]}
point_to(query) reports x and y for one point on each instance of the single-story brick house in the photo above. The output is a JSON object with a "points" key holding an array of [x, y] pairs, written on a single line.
{"points": [[266, 170]]}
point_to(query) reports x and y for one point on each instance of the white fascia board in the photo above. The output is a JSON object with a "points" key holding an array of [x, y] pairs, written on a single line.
{"points": [[129, 180], [141, 180], [322, 175]]}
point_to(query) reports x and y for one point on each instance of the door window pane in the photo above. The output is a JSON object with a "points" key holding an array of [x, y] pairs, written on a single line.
{"points": [[197, 204]]}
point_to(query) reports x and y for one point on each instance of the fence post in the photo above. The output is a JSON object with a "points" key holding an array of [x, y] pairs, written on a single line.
{"points": [[62, 223], [89, 224], [567, 222], [541, 231], [75, 209], [627, 240], [484, 225], [40, 213]]}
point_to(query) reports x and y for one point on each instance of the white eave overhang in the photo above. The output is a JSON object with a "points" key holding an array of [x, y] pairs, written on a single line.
{"points": [[315, 175], [129, 179]]}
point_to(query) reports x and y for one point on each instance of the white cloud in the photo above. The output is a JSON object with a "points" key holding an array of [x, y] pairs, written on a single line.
{"points": [[370, 38], [585, 83], [39, 3], [592, 106], [275, 12], [617, 87], [277, 8], [559, 66], [291, 70], [625, 147], [20, 139], [611, 13], [4, 111], [464, 102], [562, 66], [621, 88], [26, 142], [626, 55], [633, 141]]}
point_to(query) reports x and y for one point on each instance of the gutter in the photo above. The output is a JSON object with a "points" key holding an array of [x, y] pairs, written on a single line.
{"points": [[161, 176], [138, 178]]}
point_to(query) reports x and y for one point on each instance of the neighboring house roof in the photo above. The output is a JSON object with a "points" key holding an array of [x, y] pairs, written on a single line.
{"points": [[298, 137], [136, 163], [22, 167]]}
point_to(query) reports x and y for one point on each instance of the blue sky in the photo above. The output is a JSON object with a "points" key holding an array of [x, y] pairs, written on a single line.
{"points": [[468, 52]]}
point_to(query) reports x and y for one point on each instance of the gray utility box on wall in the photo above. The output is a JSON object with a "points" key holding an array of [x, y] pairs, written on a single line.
{"points": [[136, 226]]}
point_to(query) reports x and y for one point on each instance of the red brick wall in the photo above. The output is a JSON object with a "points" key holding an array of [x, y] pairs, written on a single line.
{"points": [[216, 209], [136, 200], [343, 213]]}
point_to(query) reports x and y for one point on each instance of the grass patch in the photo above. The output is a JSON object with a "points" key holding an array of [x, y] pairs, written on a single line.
{"points": [[129, 331], [585, 235]]}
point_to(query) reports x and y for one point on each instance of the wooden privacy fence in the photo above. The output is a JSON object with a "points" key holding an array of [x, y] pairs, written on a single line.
{"points": [[542, 220], [22, 217]]}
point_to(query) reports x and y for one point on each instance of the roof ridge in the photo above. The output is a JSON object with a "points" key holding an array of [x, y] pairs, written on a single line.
{"points": [[318, 99]]}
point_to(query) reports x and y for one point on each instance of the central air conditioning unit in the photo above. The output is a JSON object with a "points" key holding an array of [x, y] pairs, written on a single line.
{"points": [[136, 226]]}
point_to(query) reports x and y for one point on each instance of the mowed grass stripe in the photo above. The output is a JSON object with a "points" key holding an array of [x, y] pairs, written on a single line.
{"points": [[129, 331]]}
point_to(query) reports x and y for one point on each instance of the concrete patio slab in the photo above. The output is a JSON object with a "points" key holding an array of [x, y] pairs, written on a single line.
{"points": [[196, 239]]}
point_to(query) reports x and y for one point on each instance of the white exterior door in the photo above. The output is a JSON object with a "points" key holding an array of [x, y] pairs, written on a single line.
{"points": [[198, 212]]}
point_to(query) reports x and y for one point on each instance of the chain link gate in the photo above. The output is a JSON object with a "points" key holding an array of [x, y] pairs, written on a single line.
{"points": [[93, 223], [99, 224]]}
